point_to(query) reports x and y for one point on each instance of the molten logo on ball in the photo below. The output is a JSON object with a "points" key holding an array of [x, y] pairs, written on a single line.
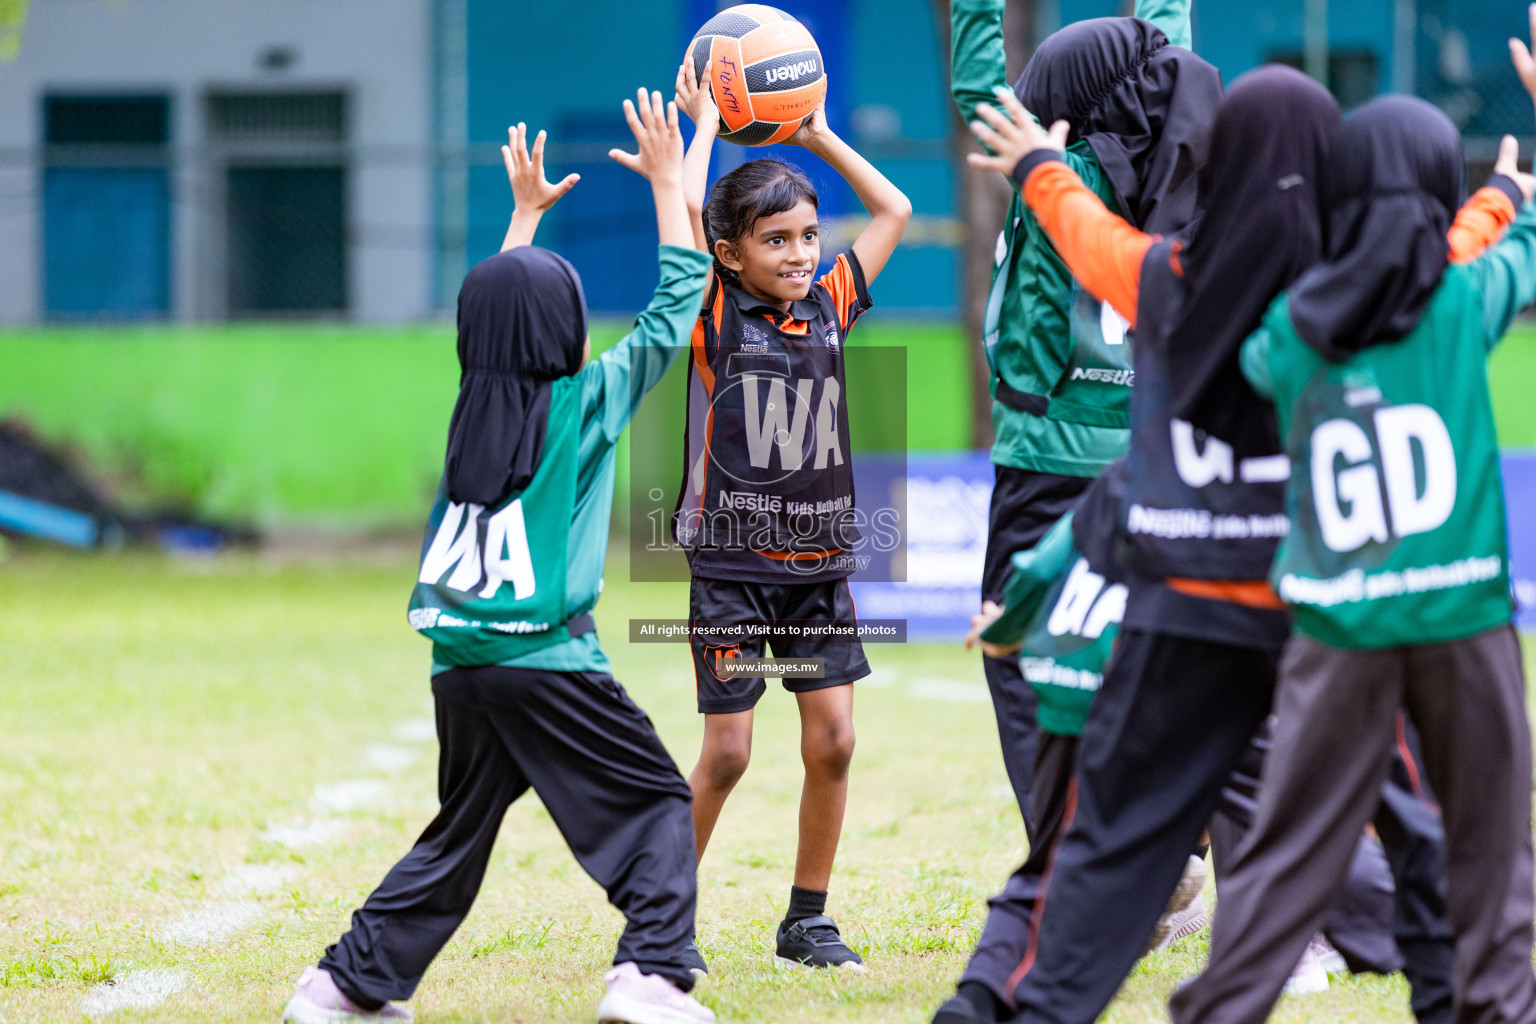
{"points": [[793, 72]]}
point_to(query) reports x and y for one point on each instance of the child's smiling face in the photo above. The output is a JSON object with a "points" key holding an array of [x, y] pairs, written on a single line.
{"points": [[777, 261]]}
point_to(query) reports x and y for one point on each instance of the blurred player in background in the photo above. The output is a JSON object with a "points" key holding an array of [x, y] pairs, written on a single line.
{"points": [[1396, 567], [1194, 674], [1140, 104]]}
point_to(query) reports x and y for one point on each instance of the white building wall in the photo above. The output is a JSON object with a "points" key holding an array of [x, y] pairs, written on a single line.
{"points": [[379, 51]]}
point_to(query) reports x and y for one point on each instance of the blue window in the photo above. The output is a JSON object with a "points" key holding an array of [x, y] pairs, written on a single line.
{"points": [[106, 207]]}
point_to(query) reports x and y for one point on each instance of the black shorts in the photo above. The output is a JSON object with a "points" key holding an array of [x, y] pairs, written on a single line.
{"points": [[726, 603]]}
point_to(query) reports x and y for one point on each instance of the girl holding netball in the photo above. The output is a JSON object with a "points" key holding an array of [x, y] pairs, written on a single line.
{"points": [[766, 510]]}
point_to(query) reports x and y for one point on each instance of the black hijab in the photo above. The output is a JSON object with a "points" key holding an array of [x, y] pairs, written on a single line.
{"points": [[1143, 106], [1393, 185], [1262, 227], [522, 325]]}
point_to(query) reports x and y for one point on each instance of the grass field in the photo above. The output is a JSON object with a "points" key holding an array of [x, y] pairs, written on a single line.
{"points": [[204, 765]]}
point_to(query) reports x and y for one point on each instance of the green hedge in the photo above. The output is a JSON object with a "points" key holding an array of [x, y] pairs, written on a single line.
{"points": [[344, 426], [317, 425]]}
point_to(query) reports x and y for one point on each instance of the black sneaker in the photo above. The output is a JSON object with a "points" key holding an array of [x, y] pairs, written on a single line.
{"points": [[694, 961], [960, 1010], [814, 942]]}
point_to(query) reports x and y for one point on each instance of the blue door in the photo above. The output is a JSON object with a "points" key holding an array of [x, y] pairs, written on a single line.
{"points": [[106, 242]]}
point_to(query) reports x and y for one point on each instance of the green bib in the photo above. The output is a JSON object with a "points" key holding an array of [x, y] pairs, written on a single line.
{"points": [[1095, 388], [1068, 645], [1396, 502], [492, 581], [1067, 617], [1045, 337]]}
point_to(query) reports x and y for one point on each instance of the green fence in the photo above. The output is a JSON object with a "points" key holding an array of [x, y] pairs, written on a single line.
{"points": [[320, 426]]}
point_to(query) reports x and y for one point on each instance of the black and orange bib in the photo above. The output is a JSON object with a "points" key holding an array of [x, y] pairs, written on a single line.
{"points": [[767, 491]]}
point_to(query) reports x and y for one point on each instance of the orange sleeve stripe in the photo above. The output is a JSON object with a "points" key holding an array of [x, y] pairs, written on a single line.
{"points": [[1250, 593], [717, 312], [1479, 224], [839, 282], [797, 556], [700, 362], [1103, 252]]}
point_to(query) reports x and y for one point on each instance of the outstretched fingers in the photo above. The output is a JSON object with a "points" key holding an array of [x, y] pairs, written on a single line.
{"points": [[1520, 53], [658, 111], [630, 160], [538, 154], [1509, 155], [991, 162], [633, 119], [987, 136], [1508, 165], [512, 154], [994, 117], [1013, 105], [647, 108]]}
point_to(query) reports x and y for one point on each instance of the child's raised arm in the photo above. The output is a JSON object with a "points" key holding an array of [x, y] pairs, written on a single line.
{"points": [[531, 194], [695, 100], [1525, 65], [660, 161], [1101, 249], [889, 208]]}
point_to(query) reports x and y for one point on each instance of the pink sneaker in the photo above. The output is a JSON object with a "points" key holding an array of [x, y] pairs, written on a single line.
{"points": [[317, 1000], [1309, 976], [635, 998]]}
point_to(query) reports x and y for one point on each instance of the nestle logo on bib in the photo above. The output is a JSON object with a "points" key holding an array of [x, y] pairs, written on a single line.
{"points": [[792, 72], [831, 336]]}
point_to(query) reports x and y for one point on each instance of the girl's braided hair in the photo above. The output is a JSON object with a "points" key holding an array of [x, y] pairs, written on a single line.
{"points": [[756, 189]]}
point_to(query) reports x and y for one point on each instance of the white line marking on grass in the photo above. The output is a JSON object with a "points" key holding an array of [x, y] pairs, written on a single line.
{"points": [[880, 677], [133, 990], [352, 795], [253, 879], [386, 757], [416, 730], [211, 922], [298, 834], [932, 688]]}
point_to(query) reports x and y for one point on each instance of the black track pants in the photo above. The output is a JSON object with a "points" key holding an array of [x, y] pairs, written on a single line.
{"points": [[1005, 937], [1024, 506], [1172, 719], [595, 761]]}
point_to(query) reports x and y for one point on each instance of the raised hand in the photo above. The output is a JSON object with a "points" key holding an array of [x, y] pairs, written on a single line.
{"points": [[660, 140], [530, 191], [1508, 165], [1525, 64], [696, 99], [1011, 134]]}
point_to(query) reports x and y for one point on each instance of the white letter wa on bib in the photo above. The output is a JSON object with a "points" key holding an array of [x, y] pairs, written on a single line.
{"points": [[507, 557]]}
